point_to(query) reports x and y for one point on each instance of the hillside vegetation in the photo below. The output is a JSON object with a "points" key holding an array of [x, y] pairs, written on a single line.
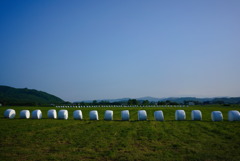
{"points": [[24, 96]]}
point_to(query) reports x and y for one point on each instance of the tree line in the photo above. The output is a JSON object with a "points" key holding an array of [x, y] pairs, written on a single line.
{"points": [[129, 102]]}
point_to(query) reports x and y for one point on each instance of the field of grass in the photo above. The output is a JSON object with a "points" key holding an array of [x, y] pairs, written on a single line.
{"points": [[46, 139]]}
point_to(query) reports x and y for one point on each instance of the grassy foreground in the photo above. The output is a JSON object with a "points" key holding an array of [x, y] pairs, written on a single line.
{"points": [[70, 139]]}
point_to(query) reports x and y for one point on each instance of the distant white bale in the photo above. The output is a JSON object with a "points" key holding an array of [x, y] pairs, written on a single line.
{"points": [[77, 115], [234, 115], [25, 114], [142, 115], [216, 116], [125, 115], [93, 115], [37, 114], [10, 113], [63, 114], [196, 115], [158, 115], [180, 115], [52, 114], [108, 115]]}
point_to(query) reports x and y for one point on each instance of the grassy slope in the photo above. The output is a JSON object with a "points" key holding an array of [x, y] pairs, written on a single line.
{"points": [[120, 140]]}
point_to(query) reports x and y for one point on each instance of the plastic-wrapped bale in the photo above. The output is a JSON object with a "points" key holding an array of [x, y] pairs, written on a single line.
{"points": [[234, 115], [180, 115], [158, 115], [25, 114], [77, 115], [36, 114], [10, 113], [217, 116], [108, 115], [125, 115], [63, 114], [196, 115], [52, 114], [142, 115], [93, 115]]}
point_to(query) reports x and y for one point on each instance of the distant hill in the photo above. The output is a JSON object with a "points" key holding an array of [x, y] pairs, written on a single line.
{"points": [[181, 100], [153, 99], [108, 100], [227, 100], [24, 96]]}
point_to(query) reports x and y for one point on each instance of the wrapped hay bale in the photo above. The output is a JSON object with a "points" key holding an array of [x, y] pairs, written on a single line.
{"points": [[234, 115], [108, 115], [63, 114], [37, 114], [52, 114], [93, 115], [217, 116], [180, 115], [24, 114], [142, 115], [196, 115], [77, 115], [125, 115], [158, 115], [10, 113]]}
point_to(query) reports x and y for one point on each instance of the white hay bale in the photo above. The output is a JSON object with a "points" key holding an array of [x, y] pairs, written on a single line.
{"points": [[52, 114], [217, 116], [142, 115], [108, 115], [93, 115], [37, 114], [10, 113], [180, 115], [196, 115], [63, 114], [25, 114], [125, 115], [77, 115], [234, 115], [158, 115]]}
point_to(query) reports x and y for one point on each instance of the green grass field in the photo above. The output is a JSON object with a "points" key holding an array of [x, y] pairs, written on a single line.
{"points": [[71, 139]]}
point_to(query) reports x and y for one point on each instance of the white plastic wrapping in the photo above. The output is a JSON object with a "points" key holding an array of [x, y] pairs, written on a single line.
{"points": [[196, 115], [142, 115], [25, 114], [158, 115], [234, 115], [52, 114], [63, 114], [93, 115], [180, 115], [108, 115], [125, 115], [217, 116], [77, 115], [36, 114], [10, 113]]}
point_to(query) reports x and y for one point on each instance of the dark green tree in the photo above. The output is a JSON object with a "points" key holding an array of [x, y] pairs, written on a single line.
{"points": [[161, 103], [132, 102], [145, 102], [94, 102]]}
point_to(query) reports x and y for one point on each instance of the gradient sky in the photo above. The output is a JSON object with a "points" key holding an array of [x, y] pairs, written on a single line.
{"points": [[91, 49]]}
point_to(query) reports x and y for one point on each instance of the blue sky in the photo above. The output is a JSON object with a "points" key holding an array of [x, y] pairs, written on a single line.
{"points": [[81, 50]]}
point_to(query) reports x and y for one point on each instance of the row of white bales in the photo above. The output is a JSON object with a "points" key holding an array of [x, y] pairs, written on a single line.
{"points": [[233, 115]]}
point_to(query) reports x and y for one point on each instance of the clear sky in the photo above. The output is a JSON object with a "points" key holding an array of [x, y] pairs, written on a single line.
{"points": [[92, 49]]}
